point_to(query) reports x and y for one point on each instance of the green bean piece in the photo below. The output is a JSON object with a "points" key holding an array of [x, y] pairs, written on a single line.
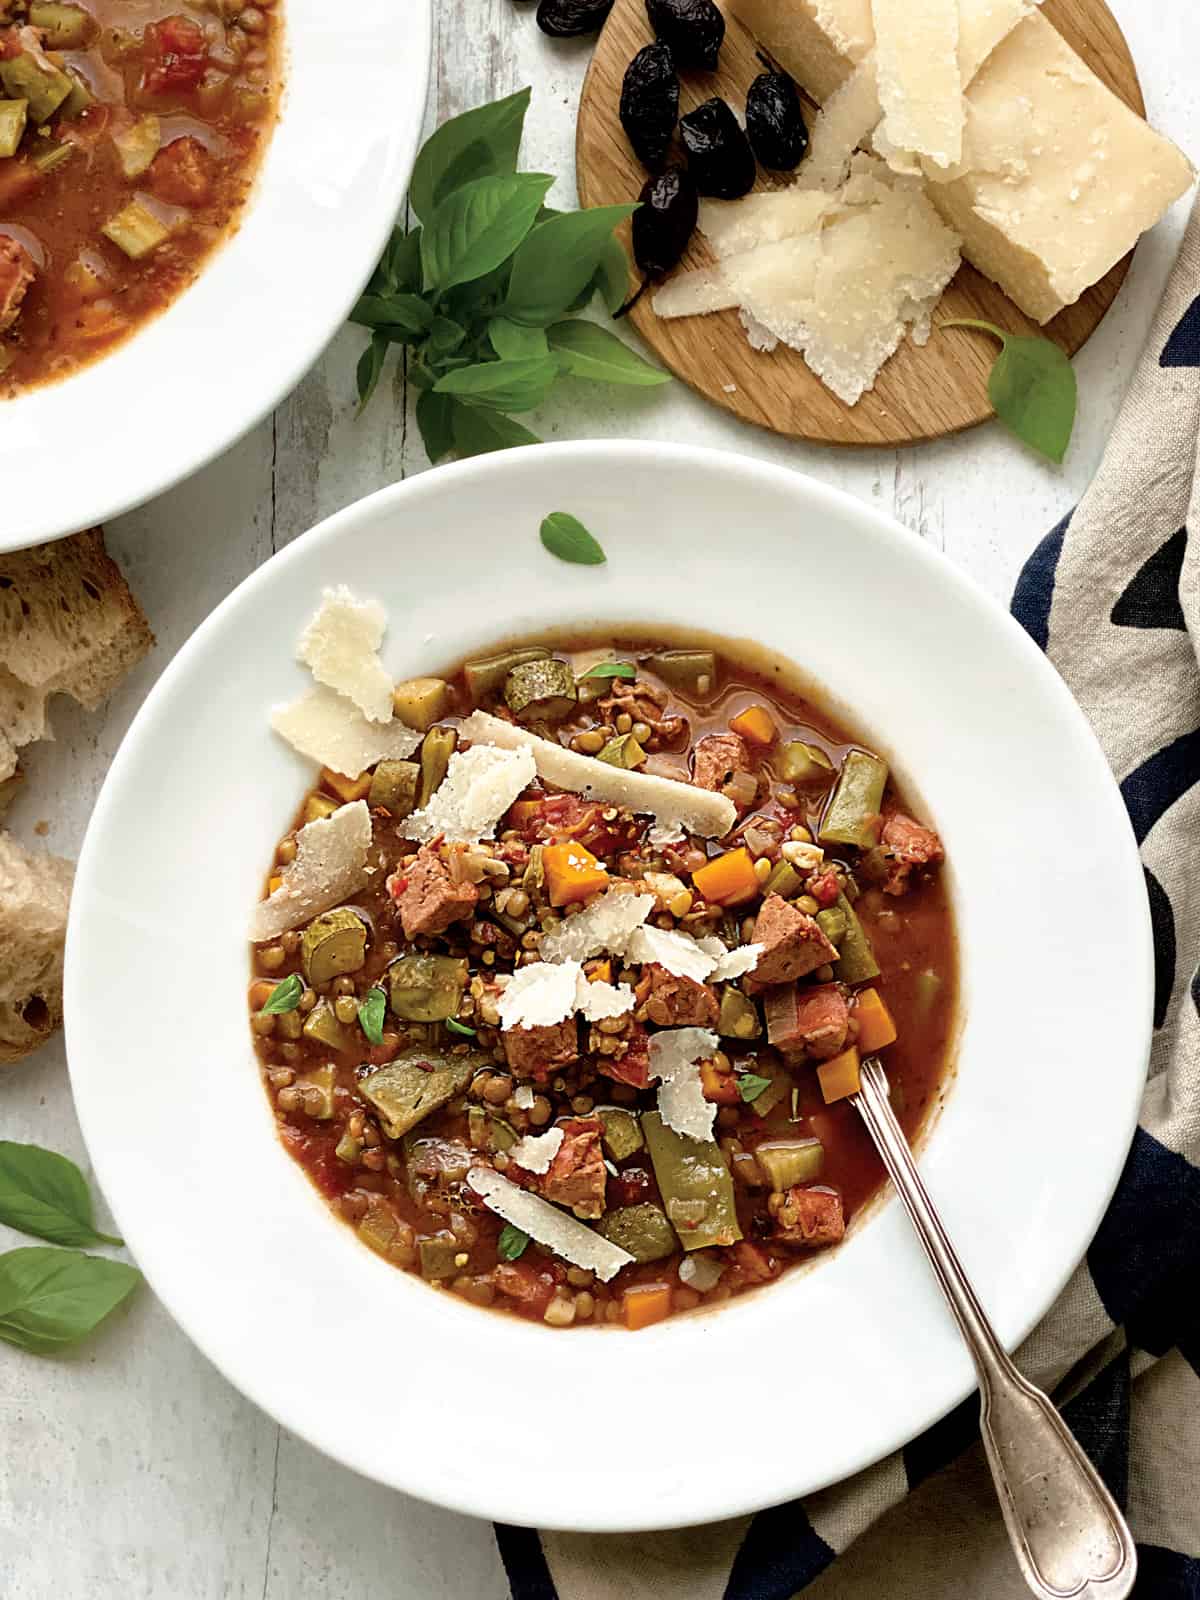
{"points": [[778, 1089], [437, 1255], [856, 958], [138, 145], [486, 676], [692, 672], [784, 881], [64, 27], [785, 1162], [739, 1018], [32, 77], [438, 745], [695, 1185], [79, 99], [136, 230], [852, 815], [13, 116], [426, 988], [798, 762], [49, 157], [832, 923], [643, 1230]]}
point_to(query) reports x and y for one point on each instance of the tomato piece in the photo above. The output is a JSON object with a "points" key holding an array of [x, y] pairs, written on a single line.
{"points": [[180, 176], [530, 1286], [631, 1187], [177, 54]]}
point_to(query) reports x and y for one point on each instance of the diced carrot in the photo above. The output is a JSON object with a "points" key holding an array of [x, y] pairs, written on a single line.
{"points": [[647, 1303], [522, 812], [839, 1077], [599, 971], [876, 1029], [346, 789], [260, 993], [572, 873], [719, 1087], [729, 880], [756, 724], [273, 884]]}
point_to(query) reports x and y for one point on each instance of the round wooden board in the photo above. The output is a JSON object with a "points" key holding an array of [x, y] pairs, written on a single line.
{"points": [[922, 392]]}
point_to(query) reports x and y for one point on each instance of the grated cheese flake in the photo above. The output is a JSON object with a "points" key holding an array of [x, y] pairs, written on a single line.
{"points": [[603, 928], [677, 952], [330, 730], [536, 1151], [480, 785], [330, 865], [539, 995], [598, 1000], [675, 1057], [523, 1097], [730, 964], [699, 810], [340, 647], [570, 1239], [659, 835]]}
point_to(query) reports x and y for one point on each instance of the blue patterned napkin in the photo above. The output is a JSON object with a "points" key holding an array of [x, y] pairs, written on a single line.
{"points": [[1113, 597]]}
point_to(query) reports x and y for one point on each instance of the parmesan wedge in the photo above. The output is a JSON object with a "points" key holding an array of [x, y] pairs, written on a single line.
{"points": [[699, 810], [571, 1240], [675, 1057], [982, 25], [602, 928], [333, 732], [820, 42], [479, 786], [920, 85], [330, 865], [340, 648], [536, 1151]]}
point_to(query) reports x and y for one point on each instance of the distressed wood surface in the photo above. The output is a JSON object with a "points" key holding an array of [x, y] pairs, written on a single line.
{"points": [[925, 391], [132, 1471]]}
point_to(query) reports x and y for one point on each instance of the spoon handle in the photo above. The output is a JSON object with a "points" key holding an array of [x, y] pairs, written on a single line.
{"points": [[1070, 1540]]}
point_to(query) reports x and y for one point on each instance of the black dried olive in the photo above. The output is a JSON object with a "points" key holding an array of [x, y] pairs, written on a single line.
{"points": [[662, 225], [693, 29], [719, 154], [650, 103], [775, 122], [568, 19]]}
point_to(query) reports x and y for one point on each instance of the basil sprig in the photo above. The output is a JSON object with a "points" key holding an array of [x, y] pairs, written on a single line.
{"points": [[1033, 388], [44, 1194], [511, 1243], [371, 1014], [750, 1086], [285, 996], [610, 669], [482, 294], [567, 538]]}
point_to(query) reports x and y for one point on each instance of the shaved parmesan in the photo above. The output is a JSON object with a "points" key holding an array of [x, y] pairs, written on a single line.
{"points": [[677, 952], [734, 226], [327, 728], [571, 1240], [694, 294], [340, 648], [920, 83], [330, 865], [818, 41], [603, 928], [479, 786], [523, 1097], [730, 964], [847, 119], [597, 1000], [699, 810], [982, 25], [539, 995], [536, 1151], [658, 837], [675, 1057]]}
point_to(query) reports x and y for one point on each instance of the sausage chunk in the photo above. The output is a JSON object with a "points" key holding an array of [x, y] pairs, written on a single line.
{"points": [[793, 945], [675, 1002], [577, 1175], [718, 756], [813, 1022], [17, 272], [427, 897], [903, 845], [810, 1217], [631, 1064], [535, 1052]]}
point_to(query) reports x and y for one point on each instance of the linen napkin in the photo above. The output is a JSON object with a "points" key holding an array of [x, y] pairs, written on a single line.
{"points": [[1113, 596]]}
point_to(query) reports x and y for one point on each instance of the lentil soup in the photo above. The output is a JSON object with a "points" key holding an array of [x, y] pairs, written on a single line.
{"points": [[130, 134], [590, 1065]]}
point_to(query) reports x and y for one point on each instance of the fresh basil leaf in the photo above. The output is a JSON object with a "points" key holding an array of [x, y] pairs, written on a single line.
{"points": [[44, 1194], [370, 368], [501, 385], [478, 227], [567, 538], [399, 268], [371, 1014], [558, 261], [512, 342], [478, 144], [478, 431], [610, 669], [590, 351], [406, 311], [750, 1086], [50, 1299], [435, 413], [1033, 388], [510, 1246], [454, 1026], [285, 996], [445, 337], [612, 277]]}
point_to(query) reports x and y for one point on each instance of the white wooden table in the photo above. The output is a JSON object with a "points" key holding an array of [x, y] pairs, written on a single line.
{"points": [[132, 1469]]}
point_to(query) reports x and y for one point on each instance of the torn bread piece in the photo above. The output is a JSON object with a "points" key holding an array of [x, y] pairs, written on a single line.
{"points": [[568, 1238], [35, 895], [340, 647], [330, 865], [701, 811], [330, 730]]}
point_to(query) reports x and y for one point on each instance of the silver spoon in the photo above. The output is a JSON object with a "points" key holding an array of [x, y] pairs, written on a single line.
{"points": [[1070, 1540]]}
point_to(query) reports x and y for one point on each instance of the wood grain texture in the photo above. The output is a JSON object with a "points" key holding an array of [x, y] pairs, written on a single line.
{"points": [[923, 392]]}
